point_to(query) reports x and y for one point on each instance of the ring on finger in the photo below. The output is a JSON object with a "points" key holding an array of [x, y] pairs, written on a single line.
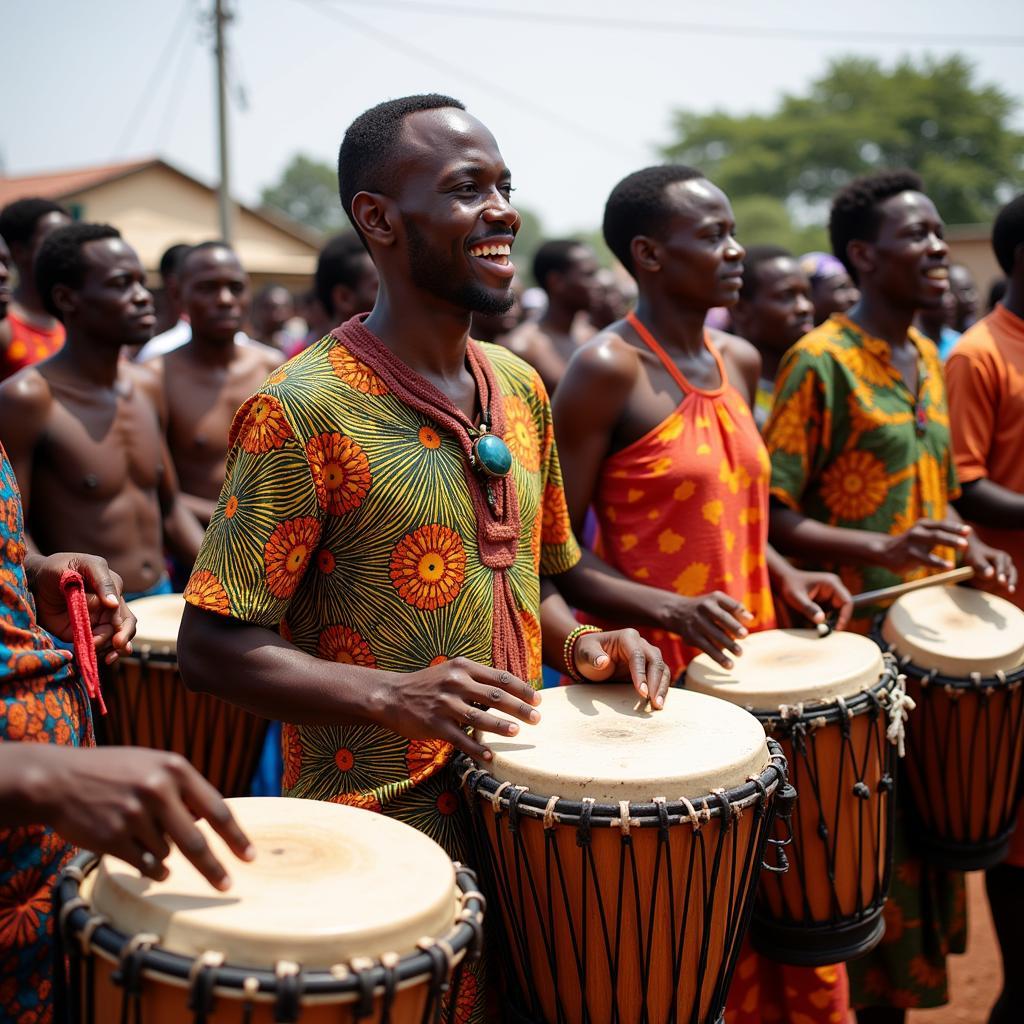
{"points": [[149, 862]]}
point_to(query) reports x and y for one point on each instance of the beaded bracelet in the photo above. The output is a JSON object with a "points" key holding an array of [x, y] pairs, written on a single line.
{"points": [[569, 651]]}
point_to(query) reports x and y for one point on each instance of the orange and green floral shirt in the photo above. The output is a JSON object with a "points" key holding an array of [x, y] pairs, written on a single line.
{"points": [[852, 447], [345, 522]]}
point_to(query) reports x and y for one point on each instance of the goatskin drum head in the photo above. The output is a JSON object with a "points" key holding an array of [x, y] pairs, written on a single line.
{"points": [[790, 666], [600, 741], [956, 631], [329, 882], [159, 618]]}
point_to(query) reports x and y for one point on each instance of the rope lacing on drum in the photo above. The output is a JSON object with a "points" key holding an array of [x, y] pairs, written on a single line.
{"points": [[442, 957], [788, 711], [696, 818], [900, 705], [625, 821], [496, 796], [288, 1004], [202, 981], [550, 821]]}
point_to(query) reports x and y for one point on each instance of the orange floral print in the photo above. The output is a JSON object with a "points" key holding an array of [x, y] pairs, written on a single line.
{"points": [[354, 373], [287, 553], [521, 433], [365, 800], [291, 749], [265, 427], [428, 567], [206, 591], [534, 651], [230, 507], [556, 527], [429, 438], [424, 757], [344, 645], [24, 902], [854, 485], [341, 472]]}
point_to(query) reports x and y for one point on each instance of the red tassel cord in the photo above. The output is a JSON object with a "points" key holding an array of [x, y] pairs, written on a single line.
{"points": [[73, 586]]}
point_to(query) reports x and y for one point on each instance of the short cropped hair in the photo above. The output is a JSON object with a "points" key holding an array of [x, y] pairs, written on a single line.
{"points": [[60, 259], [855, 215], [638, 206], [170, 262], [554, 256], [201, 247], [1007, 233], [18, 220], [757, 256], [366, 156], [341, 261]]}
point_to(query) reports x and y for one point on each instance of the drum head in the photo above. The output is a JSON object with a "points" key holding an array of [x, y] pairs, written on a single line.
{"points": [[329, 882], [599, 741], [159, 618], [790, 666], [956, 631]]}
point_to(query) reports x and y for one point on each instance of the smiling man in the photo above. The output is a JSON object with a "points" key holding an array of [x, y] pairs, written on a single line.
{"points": [[380, 570], [81, 433], [862, 479]]}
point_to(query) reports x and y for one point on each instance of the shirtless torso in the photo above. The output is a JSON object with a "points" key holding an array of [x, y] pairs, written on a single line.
{"points": [[91, 466], [198, 394], [547, 348]]}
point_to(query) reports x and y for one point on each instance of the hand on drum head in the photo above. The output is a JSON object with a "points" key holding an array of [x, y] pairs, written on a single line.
{"points": [[113, 625], [916, 546], [711, 622], [802, 591], [624, 654], [442, 701], [133, 802], [993, 569]]}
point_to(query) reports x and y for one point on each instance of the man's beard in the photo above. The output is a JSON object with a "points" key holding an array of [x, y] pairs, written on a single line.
{"points": [[429, 273]]}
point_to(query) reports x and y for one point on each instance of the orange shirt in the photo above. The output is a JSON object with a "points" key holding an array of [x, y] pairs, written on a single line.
{"points": [[985, 381], [685, 507], [29, 345]]}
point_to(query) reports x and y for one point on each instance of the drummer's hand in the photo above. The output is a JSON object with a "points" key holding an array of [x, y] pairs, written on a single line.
{"points": [[113, 625], [916, 546], [442, 701], [133, 802], [713, 622], [624, 654], [802, 590], [993, 569]]}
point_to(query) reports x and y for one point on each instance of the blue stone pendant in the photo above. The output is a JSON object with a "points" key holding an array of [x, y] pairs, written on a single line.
{"points": [[492, 455]]}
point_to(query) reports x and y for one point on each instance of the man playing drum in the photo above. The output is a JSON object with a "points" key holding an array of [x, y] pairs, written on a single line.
{"points": [[862, 477], [381, 568], [658, 436], [984, 375]]}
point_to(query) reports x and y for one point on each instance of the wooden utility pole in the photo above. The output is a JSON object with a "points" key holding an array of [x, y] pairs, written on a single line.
{"points": [[220, 19]]}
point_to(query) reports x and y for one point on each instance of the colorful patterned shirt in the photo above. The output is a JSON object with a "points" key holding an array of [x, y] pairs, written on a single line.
{"points": [[852, 447], [345, 522], [41, 701], [28, 345]]}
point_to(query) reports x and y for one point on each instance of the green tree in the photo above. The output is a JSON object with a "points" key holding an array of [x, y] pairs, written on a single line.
{"points": [[859, 117], [308, 192]]}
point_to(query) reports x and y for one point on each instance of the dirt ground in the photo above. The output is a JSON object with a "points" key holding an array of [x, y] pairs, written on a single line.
{"points": [[975, 977]]}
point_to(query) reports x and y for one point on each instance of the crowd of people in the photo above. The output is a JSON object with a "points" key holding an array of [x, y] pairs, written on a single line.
{"points": [[388, 519]]}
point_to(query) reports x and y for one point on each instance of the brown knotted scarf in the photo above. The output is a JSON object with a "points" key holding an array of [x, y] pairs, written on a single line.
{"points": [[497, 528]]}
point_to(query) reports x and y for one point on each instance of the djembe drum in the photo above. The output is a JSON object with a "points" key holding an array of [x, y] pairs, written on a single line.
{"points": [[829, 701], [149, 705], [621, 848], [962, 651], [343, 915]]}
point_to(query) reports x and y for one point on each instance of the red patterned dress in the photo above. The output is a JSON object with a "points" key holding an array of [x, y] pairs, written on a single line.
{"points": [[41, 701]]}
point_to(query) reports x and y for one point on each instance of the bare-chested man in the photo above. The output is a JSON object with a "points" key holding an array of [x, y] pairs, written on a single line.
{"points": [[567, 271], [82, 435], [199, 386]]}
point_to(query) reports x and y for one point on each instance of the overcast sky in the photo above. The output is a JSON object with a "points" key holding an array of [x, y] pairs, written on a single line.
{"points": [[574, 104]]}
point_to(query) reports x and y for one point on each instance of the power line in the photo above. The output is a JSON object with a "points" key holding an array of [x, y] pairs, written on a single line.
{"points": [[430, 60], [174, 39], [173, 104], [591, 21]]}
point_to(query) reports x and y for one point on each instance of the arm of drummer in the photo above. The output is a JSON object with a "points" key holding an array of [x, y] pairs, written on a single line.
{"points": [[257, 669], [990, 565], [587, 408], [129, 802], [610, 655]]}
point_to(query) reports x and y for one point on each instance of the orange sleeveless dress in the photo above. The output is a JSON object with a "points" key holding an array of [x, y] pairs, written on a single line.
{"points": [[685, 507]]}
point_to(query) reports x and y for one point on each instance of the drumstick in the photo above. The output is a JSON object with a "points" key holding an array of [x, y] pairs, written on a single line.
{"points": [[965, 572], [950, 576]]}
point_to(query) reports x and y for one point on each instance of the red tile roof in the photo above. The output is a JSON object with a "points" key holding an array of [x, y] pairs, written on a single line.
{"points": [[60, 184]]}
